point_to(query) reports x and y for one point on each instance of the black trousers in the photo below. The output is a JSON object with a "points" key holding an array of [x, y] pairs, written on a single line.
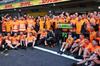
{"points": [[41, 41], [50, 41]]}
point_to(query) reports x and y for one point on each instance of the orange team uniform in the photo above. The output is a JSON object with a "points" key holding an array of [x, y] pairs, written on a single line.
{"points": [[41, 23], [71, 40], [30, 39], [86, 45], [80, 41], [15, 40], [62, 21], [8, 26], [8, 40], [48, 25], [98, 38], [1, 40], [43, 34], [21, 37], [11, 21], [92, 35], [30, 23], [15, 26], [51, 22], [3, 27], [91, 20], [92, 49], [56, 22], [67, 19], [28, 31], [79, 26], [22, 25]]}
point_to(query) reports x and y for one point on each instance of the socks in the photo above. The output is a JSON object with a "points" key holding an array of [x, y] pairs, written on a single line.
{"points": [[63, 50]]}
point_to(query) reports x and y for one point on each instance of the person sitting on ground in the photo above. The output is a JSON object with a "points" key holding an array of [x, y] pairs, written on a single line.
{"points": [[43, 36], [66, 44], [75, 46], [15, 41], [22, 38], [2, 41], [30, 40], [50, 37], [94, 59]]}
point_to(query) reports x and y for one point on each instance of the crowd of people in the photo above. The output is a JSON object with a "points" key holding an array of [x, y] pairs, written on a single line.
{"points": [[26, 31]]}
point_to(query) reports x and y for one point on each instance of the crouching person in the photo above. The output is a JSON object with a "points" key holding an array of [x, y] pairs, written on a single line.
{"points": [[15, 41], [50, 38], [30, 40], [2, 42]]}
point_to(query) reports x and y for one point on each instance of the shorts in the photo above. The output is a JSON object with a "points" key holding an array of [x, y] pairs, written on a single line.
{"points": [[30, 44], [14, 45]]}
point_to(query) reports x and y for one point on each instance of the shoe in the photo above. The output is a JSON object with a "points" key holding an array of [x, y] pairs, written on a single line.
{"points": [[5, 51], [79, 57], [58, 51], [52, 46], [61, 52]]}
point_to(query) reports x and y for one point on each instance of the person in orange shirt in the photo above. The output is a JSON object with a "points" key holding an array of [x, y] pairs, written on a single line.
{"points": [[30, 22], [3, 26], [30, 40], [84, 45], [8, 39], [8, 26], [91, 48], [15, 41], [15, 26], [41, 23], [31, 30], [22, 39], [92, 33], [79, 27], [76, 44], [10, 19], [43, 36], [22, 24], [48, 24], [66, 44]]}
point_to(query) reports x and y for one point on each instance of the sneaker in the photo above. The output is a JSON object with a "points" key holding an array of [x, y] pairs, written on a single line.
{"points": [[79, 57], [61, 52], [52, 46], [46, 44]]}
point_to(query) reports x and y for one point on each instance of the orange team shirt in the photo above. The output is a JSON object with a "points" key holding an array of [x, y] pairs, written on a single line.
{"points": [[30, 23], [14, 40], [71, 40], [33, 31], [8, 26], [92, 35], [48, 25], [67, 19], [91, 20], [11, 21], [3, 27], [62, 21], [51, 22], [81, 41], [6, 38], [15, 26], [1, 39], [22, 37], [79, 26], [43, 34], [73, 21], [86, 45], [22, 25], [92, 49], [30, 38], [56, 22], [41, 23], [98, 38]]}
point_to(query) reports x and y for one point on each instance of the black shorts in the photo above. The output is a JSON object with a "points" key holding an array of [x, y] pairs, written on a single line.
{"points": [[14, 45], [30, 44]]}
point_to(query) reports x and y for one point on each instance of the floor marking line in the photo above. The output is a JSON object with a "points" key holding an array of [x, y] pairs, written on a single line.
{"points": [[54, 52]]}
